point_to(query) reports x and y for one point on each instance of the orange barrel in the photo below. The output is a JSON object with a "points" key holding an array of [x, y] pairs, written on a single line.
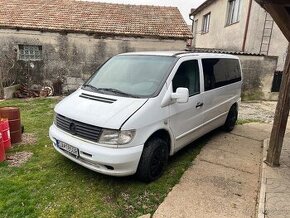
{"points": [[4, 129], [2, 150], [13, 116]]}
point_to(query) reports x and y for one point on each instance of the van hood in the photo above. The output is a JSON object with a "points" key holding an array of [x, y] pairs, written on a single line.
{"points": [[106, 111]]}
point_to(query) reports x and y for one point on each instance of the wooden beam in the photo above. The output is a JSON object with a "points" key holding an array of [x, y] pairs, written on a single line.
{"points": [[279, 13], [281, 117], [274, 2]]}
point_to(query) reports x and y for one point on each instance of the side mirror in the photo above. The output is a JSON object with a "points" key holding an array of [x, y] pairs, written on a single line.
{"points": [[181, 95]]}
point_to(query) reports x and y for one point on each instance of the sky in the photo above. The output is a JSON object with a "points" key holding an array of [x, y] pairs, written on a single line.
{"points": [[184, 6]]}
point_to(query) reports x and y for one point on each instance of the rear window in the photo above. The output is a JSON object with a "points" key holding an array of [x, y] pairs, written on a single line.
{"points": [[219, 72]]}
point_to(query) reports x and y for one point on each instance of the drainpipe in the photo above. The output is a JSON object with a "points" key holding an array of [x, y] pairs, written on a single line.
{"points": [[191, 17], [247, 25]]}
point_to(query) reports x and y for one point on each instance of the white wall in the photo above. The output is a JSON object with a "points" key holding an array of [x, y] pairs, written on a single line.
{"points": [[219, 35]]}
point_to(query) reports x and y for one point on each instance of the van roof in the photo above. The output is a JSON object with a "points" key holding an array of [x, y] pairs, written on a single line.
{"points": [[181, 54]]}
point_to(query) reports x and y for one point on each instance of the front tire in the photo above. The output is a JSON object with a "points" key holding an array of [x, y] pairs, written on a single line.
{"points": [[231, 119], [153, 160]]}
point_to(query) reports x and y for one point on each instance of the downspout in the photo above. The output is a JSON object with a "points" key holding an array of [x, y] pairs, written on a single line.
{"points": [[247, 25], [192, 24], [192, 19]]}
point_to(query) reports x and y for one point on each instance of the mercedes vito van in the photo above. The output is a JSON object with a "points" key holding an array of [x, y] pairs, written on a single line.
{"points": [[138, 109]]}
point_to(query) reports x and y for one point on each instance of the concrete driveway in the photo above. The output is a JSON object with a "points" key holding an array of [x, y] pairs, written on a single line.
{"points": [[224, 180]]}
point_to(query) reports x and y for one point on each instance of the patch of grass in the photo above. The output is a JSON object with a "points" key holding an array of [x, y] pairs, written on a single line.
{"points": [[50, 185], [244, 121]]}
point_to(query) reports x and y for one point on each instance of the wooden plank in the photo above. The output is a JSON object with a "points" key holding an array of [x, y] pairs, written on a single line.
{"points": [[281, 117]]}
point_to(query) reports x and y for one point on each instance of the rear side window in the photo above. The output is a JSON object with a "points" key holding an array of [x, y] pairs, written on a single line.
{"points": [[187, 76], [220, 72]]}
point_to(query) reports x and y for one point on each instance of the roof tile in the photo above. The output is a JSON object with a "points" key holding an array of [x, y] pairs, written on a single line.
{"points": [[94, 17]]}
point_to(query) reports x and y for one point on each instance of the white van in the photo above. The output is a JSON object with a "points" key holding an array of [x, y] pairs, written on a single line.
{"points": [[139, 108]]}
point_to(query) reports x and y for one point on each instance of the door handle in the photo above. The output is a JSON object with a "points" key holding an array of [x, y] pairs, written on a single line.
{"points": [[199, 104]]}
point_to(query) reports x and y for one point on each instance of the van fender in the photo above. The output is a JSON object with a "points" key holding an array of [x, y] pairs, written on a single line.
{"points": [[160, 131]]}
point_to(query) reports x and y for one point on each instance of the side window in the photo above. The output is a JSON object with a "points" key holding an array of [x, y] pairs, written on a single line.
{"points": [[220, 72], [187, 76]]}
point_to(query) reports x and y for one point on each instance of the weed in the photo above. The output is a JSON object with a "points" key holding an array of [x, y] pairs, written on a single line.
{"points": [[252, 95], [244, 121]]}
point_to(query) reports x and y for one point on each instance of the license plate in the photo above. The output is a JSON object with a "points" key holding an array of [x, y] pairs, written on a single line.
{"points": [[70, 149]]}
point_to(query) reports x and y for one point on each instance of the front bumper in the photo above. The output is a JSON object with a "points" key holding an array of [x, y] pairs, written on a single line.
{"points": [[109, 161]]}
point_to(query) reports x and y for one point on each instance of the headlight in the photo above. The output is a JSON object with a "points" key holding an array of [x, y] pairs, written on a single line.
{"points": [[116, 137]]}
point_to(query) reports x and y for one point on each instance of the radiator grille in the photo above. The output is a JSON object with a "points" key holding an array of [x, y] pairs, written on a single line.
{"points": [[79, 129]]}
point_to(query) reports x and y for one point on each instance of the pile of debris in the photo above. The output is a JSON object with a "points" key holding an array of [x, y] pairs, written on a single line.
{"points": [[35, 91]]}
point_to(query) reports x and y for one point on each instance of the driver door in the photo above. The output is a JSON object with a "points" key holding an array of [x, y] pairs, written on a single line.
{"points": [[186, 119]]}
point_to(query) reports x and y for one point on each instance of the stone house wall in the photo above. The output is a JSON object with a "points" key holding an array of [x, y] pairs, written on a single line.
{"points": [[68, 58]]}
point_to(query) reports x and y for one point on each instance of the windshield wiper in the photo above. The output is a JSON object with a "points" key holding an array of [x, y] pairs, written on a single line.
{"points": [[116, 91], [102, 90], [91, 87]]}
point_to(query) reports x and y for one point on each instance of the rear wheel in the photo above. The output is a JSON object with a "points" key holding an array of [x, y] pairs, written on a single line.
{"points": [[153, 160], [231, 119]]}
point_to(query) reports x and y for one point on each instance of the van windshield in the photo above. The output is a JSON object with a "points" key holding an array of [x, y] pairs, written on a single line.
{"points": [[133, 76]]}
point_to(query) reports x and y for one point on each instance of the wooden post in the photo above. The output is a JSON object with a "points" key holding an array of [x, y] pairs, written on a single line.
{"points": [[281, 117]]}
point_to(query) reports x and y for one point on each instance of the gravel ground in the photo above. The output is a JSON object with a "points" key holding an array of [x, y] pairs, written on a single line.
{"points": [[258, 111]]}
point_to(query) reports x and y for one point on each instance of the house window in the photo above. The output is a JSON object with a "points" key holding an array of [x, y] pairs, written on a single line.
{"points": [[30, 52], [233, 11], [205, 23]]}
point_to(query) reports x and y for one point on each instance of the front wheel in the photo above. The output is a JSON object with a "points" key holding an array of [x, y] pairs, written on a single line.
{"points": [[153, 160], [231, 119]]}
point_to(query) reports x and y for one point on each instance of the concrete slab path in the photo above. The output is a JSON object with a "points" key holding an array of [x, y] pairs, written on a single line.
{"points": [[275, 185], [224, 180]]}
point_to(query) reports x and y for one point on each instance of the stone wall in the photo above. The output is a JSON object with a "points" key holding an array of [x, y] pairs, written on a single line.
{"points": [[258, 72], [72, 58], [68, 59]]}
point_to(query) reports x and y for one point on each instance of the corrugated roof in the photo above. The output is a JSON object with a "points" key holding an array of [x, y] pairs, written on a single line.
{"points": [[223, 51], [94, 17]]}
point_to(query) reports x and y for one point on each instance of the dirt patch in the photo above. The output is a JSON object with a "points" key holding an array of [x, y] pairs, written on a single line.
{"points": [[28, 139], [18, 159]]}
